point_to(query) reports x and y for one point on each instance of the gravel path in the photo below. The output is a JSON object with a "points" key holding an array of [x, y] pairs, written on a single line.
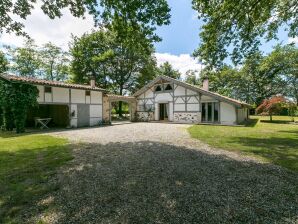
{"points": [[155, 173]]}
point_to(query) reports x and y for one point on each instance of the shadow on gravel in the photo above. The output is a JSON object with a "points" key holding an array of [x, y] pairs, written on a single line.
{"points": [[151, 182]]}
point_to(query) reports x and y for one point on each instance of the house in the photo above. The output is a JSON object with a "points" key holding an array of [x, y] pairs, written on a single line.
{"points": [[66, 104], [167, 99], [163, 99]]}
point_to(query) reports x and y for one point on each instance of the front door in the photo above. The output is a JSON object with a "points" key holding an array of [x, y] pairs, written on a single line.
{"points": [[163, 111]]}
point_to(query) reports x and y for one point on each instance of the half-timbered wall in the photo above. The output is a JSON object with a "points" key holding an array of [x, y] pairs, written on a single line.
{"points": [[183, 103], [73, 97]]}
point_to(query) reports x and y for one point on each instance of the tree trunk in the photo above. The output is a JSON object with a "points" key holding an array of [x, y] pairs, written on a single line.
{"points": [[120, 103], [270, 117]]}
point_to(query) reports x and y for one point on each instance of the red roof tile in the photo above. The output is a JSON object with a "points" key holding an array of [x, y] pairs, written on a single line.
{"points": [[15, 78]]}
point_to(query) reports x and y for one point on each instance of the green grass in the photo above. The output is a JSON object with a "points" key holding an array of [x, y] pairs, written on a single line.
{"points": [[275, 142], [26, 164]]}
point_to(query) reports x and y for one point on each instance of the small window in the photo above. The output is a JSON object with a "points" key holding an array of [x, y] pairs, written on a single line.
{"points": [[168, 87], [158, 88], [47, 89], [87, 92]]}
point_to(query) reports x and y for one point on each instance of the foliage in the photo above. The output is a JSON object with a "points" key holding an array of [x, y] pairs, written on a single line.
{"points": [[15, 99], [260, 76], [147, 74], [283, 61], [167, 70], [26, 61], [4, 63], [271, 106], [27, 163], [273, 142], [192, 77], [241, 26], [136, 13], [115, 62], [54, 62]]}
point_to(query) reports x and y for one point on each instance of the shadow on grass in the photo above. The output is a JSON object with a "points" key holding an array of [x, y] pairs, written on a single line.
{"points": [[24, 177], [251, 123], [153, 182], [281, 151], [276, 121]]}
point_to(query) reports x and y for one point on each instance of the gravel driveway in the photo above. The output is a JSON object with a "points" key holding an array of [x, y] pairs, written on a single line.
{"points": [[155, 173]]}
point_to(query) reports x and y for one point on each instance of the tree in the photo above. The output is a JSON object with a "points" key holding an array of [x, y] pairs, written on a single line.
{"points": [[147, 74], [54, 62], [135, 13], [3, 63], [25, 59], [283, 60], [256, 80], [235, 28], [192, 77], [114, 61], [271, 106], [90, 54], [167, 70]]}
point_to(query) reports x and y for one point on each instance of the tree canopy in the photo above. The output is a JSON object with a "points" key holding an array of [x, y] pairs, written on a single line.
{"points": [[168, 70], [235, 29], [260, 77], [145, 15], [54, 62]]}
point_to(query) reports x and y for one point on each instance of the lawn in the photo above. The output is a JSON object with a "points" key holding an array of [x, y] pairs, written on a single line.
{"points": [[26, 164], [275, 142]]}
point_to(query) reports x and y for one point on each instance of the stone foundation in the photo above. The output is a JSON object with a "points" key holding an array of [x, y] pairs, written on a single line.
{"points": [[145, 116], [187, 117]]}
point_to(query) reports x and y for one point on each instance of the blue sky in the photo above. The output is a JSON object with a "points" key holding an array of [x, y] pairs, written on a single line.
{"points": [[180, 38]]}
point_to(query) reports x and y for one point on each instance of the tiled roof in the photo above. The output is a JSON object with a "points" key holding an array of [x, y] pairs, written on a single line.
{"points": [[14, 78]]}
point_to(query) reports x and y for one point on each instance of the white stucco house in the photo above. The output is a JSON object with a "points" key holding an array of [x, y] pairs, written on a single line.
{"points": [[163, 99], [171, 100]]}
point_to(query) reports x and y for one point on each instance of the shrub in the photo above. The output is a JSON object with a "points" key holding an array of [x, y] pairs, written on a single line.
{"points": [[15, 99]]}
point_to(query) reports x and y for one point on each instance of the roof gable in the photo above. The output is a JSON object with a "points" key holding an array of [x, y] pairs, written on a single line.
{"points": [[193, 88]]}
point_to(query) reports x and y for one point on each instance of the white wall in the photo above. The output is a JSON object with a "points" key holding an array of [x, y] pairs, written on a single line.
{"points": [[227, 113], [60, 95], [193, 107], [179, 107], [96, 97], [179, 91], [74, 119], [163, 97], [78, 96], [148, 93]]}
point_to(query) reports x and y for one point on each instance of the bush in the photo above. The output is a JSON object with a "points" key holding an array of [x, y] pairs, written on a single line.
{"points": [[15, 99]]}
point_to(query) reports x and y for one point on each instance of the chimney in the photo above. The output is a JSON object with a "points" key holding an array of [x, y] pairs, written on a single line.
{"points": [[92, 82], [206, 84]]}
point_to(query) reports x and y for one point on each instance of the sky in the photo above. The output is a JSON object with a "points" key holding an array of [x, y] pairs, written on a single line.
{"points": [[179, 39]]}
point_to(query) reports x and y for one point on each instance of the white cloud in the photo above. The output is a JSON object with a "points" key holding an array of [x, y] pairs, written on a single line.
{"points": [[182, 62], [293, 40], [43, 29]]}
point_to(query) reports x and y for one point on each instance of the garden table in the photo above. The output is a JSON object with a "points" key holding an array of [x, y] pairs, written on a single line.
{"points": [[43, 122]]}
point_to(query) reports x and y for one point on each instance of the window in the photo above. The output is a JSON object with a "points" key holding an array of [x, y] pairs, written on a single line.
{"points": [[210, 112], [47, 89], [158, 88], [87, 92], [168, 87]]}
